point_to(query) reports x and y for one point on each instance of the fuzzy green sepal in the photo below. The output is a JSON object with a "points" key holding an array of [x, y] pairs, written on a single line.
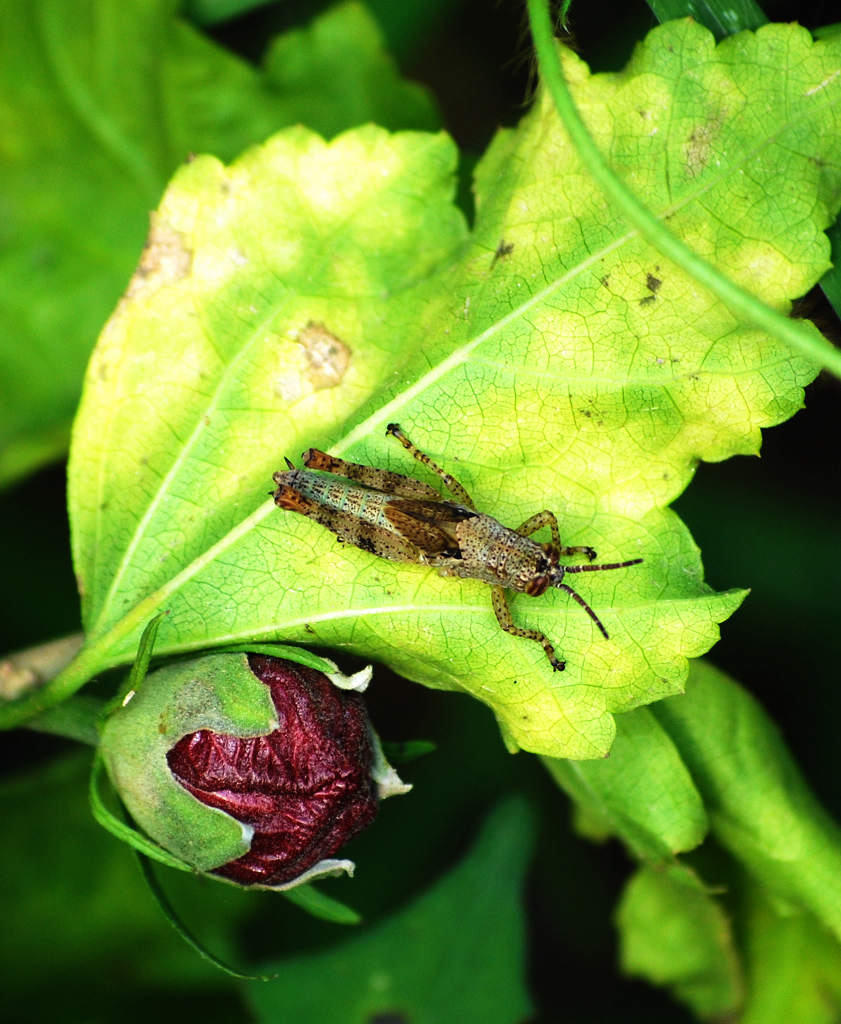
{"points": [[217, 692]]}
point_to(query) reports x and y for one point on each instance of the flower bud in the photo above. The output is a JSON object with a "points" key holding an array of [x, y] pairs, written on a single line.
{"points": [[250, 767]]}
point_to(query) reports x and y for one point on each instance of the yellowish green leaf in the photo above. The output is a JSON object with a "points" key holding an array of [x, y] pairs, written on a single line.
{"points": [[308, 294]]}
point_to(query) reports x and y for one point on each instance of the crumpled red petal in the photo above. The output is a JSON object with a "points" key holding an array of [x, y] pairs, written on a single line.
{"points": [[305, 788]]}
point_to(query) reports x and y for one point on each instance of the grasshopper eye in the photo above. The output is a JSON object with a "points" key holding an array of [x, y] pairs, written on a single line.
{"points": [[538, 585]]}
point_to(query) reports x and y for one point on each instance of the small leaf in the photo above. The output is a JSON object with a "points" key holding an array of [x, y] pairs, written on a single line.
{"points": [[676, 935], [831, 281], [721, 17], [643, 793], [175, 919], [794, 965], [390, 968], [758, 804], [319, 904], [405, 751], [335, 73], [140, 665]]}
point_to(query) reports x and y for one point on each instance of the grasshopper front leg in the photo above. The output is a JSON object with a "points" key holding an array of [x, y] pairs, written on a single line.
{"points": [[503, 617]]}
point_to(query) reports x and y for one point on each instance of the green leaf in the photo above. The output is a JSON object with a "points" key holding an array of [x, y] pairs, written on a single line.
{"points": [[398, 966], [831, 281], [211, 12], [317, 903], [721, 17], [335, 73], [676, 935], [119, 828], [758, 804], [739, 300], [763, 968], [643, 793], [794, 966], [310, 293], [710, 759], [98, 106], [140, 665], [180, 926]]}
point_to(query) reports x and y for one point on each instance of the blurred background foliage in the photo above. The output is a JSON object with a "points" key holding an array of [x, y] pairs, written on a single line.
{"points": [[74, 906]]}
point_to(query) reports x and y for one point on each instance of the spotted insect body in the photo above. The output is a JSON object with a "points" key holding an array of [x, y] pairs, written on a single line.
{"points": [[405, 520]]}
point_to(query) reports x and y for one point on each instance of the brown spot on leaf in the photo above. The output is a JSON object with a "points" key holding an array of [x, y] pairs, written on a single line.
{"points": [[165, 260], [327, 356], [698, 148], [502, 250], [321, 362], [652, 283]]}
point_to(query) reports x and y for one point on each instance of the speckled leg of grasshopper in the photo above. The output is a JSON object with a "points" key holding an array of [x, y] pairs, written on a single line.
{"points": [[402, 519], [450, 482], [499, 598]]}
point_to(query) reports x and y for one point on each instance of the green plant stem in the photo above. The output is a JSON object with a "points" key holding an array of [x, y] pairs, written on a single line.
{"points": [[74, 719], [64, 685], [29, 669], [740, 302], [26, 675]]}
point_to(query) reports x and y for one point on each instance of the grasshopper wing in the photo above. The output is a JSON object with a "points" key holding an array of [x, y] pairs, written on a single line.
{"points": [[429, 525]]}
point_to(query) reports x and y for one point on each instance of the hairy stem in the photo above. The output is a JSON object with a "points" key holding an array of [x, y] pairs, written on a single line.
{"points": [[797, 335], [24, 671]]}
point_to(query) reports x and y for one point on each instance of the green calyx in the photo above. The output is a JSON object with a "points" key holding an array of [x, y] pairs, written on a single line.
{"points": [[217, 692]]}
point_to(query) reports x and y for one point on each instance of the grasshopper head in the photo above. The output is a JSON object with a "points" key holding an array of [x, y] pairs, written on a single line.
{"points": [[545, 571]]}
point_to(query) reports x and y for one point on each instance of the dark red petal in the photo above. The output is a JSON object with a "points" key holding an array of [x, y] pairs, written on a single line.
{"points": [[305, 788]]}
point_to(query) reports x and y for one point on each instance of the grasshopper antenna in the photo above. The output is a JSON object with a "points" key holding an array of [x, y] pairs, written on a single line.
{"points": [[580, 599], [585, 606], [599, 568]]}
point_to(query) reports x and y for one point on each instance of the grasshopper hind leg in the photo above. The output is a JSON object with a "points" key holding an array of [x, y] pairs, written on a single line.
{"points": [[378, 479], [503, 617], [450, 482]]}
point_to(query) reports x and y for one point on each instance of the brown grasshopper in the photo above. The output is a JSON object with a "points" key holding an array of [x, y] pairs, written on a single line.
{"points": [[404, 520]]}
